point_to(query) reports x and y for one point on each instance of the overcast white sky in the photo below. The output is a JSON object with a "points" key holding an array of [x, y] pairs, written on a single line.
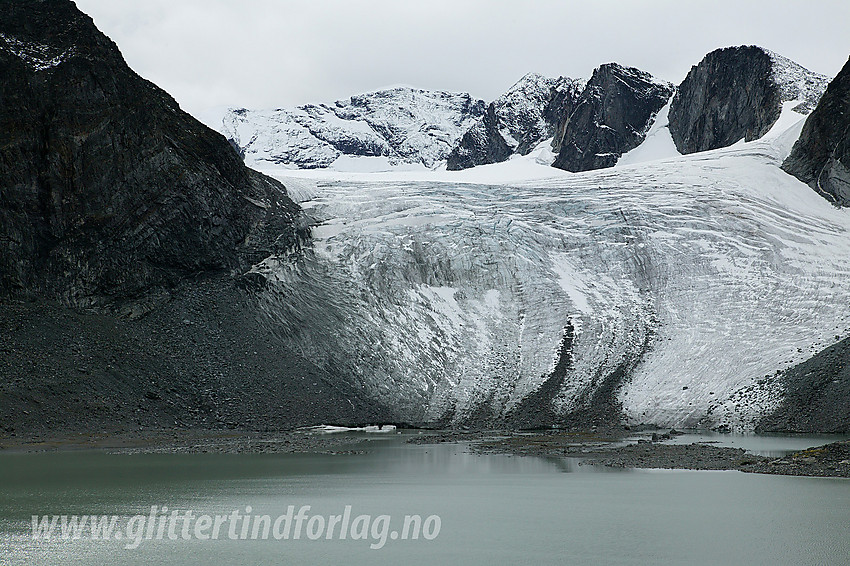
{"points": [[270, 53]]}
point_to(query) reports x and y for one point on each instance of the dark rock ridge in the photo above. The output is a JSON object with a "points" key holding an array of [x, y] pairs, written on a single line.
{"points": [[112, 197], [107, 188], [483, 143], [821, 157], [401, 124], [561, 107], [527, 114], [817, 394], [610, 117], [737, 93]]}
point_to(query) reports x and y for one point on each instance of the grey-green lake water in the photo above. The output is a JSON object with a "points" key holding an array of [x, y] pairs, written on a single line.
{"points": [[491, 509]]}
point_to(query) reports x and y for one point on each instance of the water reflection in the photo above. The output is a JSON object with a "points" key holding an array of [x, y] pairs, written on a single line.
{"points": [[495, 509], [771, 445]]}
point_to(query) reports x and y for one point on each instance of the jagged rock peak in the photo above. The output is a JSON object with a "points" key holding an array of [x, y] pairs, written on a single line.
{"points": [[797, 83], [526, 110], [516, 121], [610, 117], [401, 124], [72, 35], [108, 188], [737, 93], [821, 157]]}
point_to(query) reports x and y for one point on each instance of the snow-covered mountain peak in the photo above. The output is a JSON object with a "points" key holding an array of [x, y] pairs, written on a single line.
{"points": [[517, 121], [532, 86], [797, 83], [399, 125], [521, 111]]}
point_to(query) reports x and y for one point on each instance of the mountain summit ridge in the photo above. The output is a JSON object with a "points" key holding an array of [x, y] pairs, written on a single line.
{"points": [[733, 93], [401, 124], [738, 93]]}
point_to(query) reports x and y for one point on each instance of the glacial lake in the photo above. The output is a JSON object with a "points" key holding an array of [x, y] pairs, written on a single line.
{"points": [[491, 509]]}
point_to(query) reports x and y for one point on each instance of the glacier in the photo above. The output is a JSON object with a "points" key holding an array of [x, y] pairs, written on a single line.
{"points": [[455, 296]]}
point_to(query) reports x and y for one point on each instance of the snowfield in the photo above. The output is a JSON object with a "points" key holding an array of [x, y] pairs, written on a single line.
{"points": [[447, 295]]}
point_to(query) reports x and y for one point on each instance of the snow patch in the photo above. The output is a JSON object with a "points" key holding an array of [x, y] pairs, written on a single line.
{"points": [[797, 83], [657, 145], [37, 56]]}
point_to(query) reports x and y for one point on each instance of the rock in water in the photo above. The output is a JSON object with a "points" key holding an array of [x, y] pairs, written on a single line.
{"points": [[611, 117], [737, 93], [821, 157], [108, 187], [527, 114]]}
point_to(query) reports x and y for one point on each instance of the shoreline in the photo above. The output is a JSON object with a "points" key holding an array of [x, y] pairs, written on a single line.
{"points": [[613, 448], [831, 459], [182, 441]]}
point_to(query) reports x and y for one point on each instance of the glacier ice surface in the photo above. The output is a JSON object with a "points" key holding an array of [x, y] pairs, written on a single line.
{"points": [[447, 294]]}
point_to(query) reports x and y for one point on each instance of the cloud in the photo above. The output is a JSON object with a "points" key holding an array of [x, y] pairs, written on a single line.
{"points": [[269, 53]]}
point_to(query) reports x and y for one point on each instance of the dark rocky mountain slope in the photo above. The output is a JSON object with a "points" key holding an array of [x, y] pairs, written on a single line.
{"points": [[114, 199], [821, 157], [108, 188], [610, 117], [737, 93], [817, 394]]}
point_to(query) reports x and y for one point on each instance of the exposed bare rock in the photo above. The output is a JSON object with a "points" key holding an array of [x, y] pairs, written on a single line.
{"points": [[108, 188], [527, 114], [821, 157], [737, 93], [611, 117]]}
